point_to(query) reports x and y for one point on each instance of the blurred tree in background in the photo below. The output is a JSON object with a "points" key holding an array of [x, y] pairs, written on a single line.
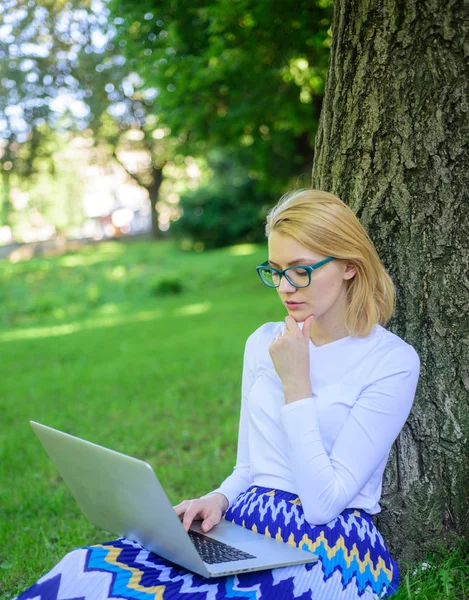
{"points": [[171, 93], [66, 79], [40, 42], [238, 75], [32, 78]]}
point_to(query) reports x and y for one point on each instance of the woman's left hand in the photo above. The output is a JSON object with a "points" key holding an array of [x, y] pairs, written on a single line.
{"points": [[290, 354]]}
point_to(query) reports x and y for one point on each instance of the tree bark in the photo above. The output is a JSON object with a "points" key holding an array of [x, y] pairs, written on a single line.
{"points": [[393, 143], [6, 207], [153, 193], [153, 190]]}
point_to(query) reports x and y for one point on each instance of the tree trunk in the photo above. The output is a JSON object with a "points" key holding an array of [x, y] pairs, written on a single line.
{"points": [[153, 193], [6, 207], [393, 143]]}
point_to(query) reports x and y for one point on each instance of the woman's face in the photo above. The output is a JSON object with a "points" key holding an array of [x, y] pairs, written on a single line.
{"points": [[325, 296]]}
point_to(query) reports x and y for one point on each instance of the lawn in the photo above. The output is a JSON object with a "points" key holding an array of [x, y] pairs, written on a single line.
{"points": [[137, 346]]}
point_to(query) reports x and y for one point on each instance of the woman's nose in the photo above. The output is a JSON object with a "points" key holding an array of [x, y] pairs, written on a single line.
{"points": [[285, 286]]}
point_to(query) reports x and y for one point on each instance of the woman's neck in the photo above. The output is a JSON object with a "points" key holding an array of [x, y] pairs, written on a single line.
{"points": [[321, 338], [328, 328]]}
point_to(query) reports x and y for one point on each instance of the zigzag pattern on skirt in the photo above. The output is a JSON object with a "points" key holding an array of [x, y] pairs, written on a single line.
{"points": [[353, 562], [350, 543]]}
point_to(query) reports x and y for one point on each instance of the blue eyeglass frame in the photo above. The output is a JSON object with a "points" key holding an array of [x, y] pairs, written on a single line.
{"points": [[308, 268]]}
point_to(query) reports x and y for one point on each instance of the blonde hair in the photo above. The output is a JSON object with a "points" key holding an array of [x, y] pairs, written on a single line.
{"points": [[323, 223]]}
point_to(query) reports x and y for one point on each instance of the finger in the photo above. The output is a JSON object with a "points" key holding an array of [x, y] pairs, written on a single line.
{"points": [[279, 334], [210, 517], [307, 325], [189, 516], [181, 508], [207, 524], [187, 520], [291, 324]]}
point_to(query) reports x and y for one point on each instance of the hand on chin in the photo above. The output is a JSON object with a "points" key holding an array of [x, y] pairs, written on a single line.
{"points": [[299, 316]]}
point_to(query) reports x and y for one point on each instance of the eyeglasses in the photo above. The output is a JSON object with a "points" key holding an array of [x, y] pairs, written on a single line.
{"points": [[299, 276]]}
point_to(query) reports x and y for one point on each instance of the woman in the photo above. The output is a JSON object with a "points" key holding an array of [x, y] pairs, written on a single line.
{"points": [[324, 395]]}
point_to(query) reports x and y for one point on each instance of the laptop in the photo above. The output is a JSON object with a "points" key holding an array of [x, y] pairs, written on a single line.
{"points": [[122, 495]]}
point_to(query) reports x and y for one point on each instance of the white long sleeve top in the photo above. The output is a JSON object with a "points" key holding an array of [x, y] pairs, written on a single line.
{"points": [[330, 449]]}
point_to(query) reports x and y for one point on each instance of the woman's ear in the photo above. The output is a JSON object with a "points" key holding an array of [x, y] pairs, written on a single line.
{"points": [[350, 270]]}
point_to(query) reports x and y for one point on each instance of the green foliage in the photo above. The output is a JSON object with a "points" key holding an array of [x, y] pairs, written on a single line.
{"points": [[167, 286], [236, 75], [80, 66], [243, 75], [221, 215], [229, 209]]}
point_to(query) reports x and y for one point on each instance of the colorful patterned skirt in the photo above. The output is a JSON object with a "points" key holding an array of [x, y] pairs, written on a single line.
{"points": [[354, 562]]}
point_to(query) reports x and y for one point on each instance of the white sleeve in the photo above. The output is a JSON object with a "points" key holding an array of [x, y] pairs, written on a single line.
{"points": [[328, 483], [240, 479]]}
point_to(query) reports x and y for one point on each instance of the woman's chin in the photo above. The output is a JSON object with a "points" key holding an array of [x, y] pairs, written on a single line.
{"points": [[298, 315]]}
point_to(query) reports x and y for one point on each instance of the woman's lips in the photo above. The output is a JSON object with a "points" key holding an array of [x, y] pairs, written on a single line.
{"points": [[293, 305]]}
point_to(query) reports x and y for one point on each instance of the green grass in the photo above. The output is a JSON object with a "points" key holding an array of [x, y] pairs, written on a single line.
{"points": [[104, 345], [137, 346], [444, 575]]}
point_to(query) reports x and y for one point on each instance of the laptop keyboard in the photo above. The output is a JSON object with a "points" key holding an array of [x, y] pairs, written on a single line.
{"points": [[212, 551]]}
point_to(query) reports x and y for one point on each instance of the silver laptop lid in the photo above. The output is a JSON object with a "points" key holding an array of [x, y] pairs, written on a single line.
{"points": [[120, 494]]}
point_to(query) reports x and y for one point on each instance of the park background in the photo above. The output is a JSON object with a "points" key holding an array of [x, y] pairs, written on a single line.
{"points": [[141, 147]]}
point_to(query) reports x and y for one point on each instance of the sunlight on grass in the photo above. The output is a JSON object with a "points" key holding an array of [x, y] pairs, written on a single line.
{"points": [[80, 260], [91, 255], [68, 328], [193, 309], [73, 288], [243, 249], [109, 309], [104, 321], [118, 273]]}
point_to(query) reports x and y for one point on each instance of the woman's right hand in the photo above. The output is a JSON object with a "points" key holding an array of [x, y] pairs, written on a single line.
{"points": [[209, 509]]}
